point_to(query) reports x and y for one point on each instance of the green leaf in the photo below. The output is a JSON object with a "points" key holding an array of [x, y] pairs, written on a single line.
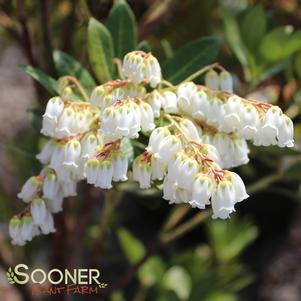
{"points": [[122, 25], [298, 64], [233, 37], [252, 35], [143, 46], [229, 238], [65, 64], [132, 247], [152, 271], [179, 281], [280, 43], [100, 50], [190, 58], [46, 81]]}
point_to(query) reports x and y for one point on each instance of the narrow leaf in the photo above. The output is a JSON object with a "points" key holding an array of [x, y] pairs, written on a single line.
{"points": [[65, 64], [122, 25], [252, 35], [190, 58], [233, 37], [46, 81], [100, 49]]}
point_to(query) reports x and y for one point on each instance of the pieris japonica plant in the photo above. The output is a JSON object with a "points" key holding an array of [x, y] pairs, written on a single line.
{"points": [[196, 134]]}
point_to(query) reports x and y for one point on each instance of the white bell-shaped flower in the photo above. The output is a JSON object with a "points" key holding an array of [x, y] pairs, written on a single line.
{"points": [[268, 133], [142, 172], [199, 105], [212, 80], [27, 227], [72, 153], [170, 104], [15, 231], [30, 188], [152, 70], [65, 124], [120, 167], [249, 122], [48, 226], [186, 93], [169, 188], [155, 100], [239, 187], [286, 133], [57, 157], [147, 117], [187, 174], [214, 111], [55, 204], [201, 191], [45, 155], [223, 200], [68, 188], [226, 81], [38, 211], [169, 146], [190, 130], [88, 145], [156, 138], [91, 170], [54, 108], [105, 174], [232, 114], [50, 186], [158, 169]]}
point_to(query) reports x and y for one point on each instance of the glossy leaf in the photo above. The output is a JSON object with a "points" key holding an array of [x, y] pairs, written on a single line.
{"points": [[190, 58], [100, 50], [65, 64], [122, 25], [46, 81]]}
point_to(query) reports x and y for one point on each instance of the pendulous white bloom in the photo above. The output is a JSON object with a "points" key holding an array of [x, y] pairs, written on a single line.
{"points": [[38, 211], [31, 188], [155, 100], [203, 187], [48, 226], [223, 200], [286, 133], [46, 153], [105, 174], [72, 153], [106, 95], [139, 66], [226, 81], [120, 167], [203, 131], [15, 231], [142, 171], [212, 80], [27, 228], [147, 117], [170, 103]]}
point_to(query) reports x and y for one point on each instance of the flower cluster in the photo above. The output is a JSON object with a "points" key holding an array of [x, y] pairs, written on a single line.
{"points": [[195, 134]]}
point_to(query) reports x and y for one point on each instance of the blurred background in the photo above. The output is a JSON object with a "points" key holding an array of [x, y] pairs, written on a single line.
{"points": [[256, 255]]}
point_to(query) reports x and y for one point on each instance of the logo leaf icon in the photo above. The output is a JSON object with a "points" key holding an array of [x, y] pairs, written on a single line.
{"points": [[10, 276]]}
